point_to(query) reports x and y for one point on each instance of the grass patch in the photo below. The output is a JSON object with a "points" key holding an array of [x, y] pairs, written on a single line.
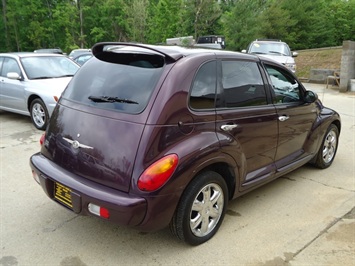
{"points": [[306, 60]]}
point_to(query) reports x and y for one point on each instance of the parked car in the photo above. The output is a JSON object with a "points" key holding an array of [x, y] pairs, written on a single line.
{"points": [[212, 39], [273, 49], [76, 52], [31, 83], [178, 133], [82, 58], [49, 51]]}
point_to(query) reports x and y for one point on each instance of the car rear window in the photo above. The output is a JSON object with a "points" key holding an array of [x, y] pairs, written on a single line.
{"points": [[122, 82]]}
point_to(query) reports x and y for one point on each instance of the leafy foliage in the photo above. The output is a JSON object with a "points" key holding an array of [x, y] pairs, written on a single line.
{"points": [[28, 25]]}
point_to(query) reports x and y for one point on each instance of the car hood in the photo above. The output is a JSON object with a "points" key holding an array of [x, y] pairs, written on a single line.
{"points": [[53, 86], [91, 146], [280, 58]]}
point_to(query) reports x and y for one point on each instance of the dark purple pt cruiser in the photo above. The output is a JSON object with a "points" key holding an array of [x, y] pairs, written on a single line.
{"points": [[155, 136]]}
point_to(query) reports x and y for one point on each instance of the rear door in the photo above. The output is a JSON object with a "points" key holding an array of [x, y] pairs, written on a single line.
{"points": [[295, 116], [246, 122]]}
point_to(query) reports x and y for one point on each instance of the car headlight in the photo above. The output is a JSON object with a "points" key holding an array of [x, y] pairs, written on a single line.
{"points": [[291, 66]]}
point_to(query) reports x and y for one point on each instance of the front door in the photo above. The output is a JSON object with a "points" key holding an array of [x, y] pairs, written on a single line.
{"points": [[295, 116]]}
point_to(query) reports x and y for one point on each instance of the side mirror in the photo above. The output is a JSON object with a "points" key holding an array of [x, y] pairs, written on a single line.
{"points": [[294, 54], [310, 97], [13, 75], [244, 51]]}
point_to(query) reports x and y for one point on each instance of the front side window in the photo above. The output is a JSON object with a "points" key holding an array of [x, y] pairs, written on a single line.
{"points": [[285, 88], [242, 84], [203, 91], [10, 66]]}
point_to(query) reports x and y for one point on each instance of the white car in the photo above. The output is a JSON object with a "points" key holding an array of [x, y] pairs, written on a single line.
{"points": [[31, 83], [275, 50]]}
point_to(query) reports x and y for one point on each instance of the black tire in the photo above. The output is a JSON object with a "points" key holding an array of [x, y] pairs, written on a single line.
{"points": [[328, 149], [39, 114], [197, 226]]}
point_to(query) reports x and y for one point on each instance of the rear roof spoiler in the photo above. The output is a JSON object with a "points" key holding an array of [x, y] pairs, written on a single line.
{"points": [[170, 55]]}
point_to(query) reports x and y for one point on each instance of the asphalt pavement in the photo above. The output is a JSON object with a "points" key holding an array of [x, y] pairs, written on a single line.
{"points": [[304, 218]]}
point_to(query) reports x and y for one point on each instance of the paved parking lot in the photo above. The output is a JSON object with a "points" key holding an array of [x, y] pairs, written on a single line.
{"points": [[305, 218]]}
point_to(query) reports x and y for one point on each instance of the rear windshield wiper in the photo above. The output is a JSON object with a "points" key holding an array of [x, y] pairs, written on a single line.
{"points": [[107, 99]]}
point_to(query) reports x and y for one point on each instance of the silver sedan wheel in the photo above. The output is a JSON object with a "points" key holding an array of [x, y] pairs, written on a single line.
{"points": [[38, 115], [329, 146], [206, 210]]}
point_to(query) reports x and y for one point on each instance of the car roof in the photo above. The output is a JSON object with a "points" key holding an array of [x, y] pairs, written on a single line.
{"points": [[30, 54], [172, 53], [268, 41]]}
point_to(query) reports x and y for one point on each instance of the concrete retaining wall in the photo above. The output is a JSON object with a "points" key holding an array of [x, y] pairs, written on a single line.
{"points": [[347, 70]]}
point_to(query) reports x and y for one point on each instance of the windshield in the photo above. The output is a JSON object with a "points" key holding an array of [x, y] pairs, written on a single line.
{"points": [[124, 87], [48, 67], [274, 48]]}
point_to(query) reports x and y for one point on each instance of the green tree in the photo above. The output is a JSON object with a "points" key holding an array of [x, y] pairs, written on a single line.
{"points": [[165, 19], [241, 23], [200, 17], [137, 13], [274, 22]]}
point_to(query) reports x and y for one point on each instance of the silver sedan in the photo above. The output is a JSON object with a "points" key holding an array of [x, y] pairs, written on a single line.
{"points": [[31, 83]]}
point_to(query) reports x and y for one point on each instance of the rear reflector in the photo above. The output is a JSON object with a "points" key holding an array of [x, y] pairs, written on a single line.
{"points": [[99, 211], [41, 140], [35, 176]]}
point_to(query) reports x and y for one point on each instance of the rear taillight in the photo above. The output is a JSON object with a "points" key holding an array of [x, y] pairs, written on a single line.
{"points": [[158, 173], [41, 140]]}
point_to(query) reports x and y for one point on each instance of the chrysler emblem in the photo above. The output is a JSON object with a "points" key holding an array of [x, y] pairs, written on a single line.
{"points": [[76, 144]]}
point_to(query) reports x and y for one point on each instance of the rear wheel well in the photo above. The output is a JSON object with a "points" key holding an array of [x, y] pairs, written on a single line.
{"points": [[226, 172]]}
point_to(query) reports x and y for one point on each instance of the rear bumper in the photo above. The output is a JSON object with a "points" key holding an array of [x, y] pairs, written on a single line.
{"points": [[124, 209]]}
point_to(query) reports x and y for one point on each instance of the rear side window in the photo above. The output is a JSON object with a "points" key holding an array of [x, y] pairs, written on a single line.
{"points": [[125, 86], [242, 84], [203, 91]]}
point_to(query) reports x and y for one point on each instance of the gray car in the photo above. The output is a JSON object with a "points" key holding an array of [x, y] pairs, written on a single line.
{"points": [[31, 83], [275, 50]]}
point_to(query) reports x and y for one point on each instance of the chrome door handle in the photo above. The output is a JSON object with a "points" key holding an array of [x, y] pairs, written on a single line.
{"points": [[228, 127], [283, 118]]}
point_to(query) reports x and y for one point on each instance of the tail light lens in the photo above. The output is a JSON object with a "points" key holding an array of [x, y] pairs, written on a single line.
{"points": [[156, 175]]}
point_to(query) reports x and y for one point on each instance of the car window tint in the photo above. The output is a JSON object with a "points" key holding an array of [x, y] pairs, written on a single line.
{"points": [[203, 91], [128, 84], [242, 84], [285, 87], [10, 65]]}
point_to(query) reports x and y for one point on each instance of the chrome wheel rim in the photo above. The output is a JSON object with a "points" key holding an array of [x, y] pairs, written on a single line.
{"points": [[38, 115], [206, 210], [329, 146]]}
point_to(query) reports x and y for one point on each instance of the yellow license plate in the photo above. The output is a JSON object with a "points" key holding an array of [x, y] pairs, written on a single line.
{"points": [[63, 195]]}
